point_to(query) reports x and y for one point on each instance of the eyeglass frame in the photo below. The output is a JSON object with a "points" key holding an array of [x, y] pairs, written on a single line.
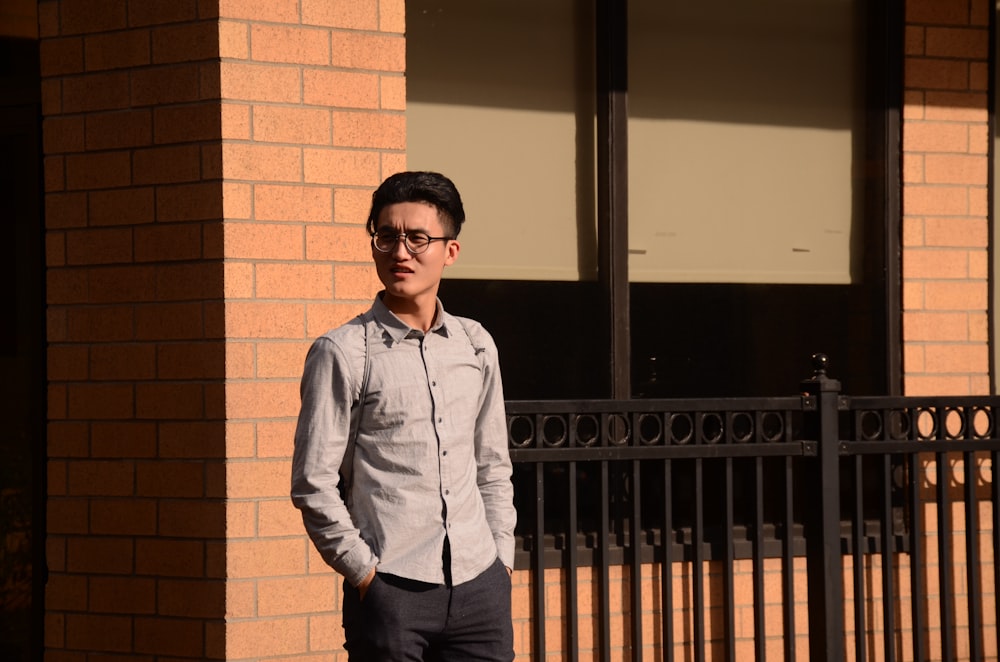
{"points": [[406, 244]]}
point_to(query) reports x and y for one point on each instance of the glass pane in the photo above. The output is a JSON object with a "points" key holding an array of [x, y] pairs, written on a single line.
{"points": [[500, 99], [742, 137]]}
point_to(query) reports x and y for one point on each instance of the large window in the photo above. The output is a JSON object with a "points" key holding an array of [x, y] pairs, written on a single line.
{"points": [[759, 225]]}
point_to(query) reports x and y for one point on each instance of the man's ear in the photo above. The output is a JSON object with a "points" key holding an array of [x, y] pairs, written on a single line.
{"points": [[452, 250]]}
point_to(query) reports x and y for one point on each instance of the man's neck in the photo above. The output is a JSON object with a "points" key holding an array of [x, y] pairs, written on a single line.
{"points": [[417, 314]]}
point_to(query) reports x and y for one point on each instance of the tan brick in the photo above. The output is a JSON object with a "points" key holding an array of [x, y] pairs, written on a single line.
{"points": [[336, 243], [979, 139], [358, 15], [99, 91], [69, 516], [351, 206], [187, 123], [913, 168], [267, 558], [979, 76], [294, 281], [117, 439], [264, 320], [280, 360], [173, 242], [234, 40], [340, 89], [156, 13], [913, 40], [169, 558], [124, 517], [309, 126], [260, 82], [179, 638], [170, 321], [63, 134], [167, 400], [936, 137], [235, 121], [957, 358], [378, 130], [101, 555], [956, 295], [392, 16], [191, 598], [274, 438], [122, 362], [189, 202], [99, 632], [165, 85], [128, 206], [935, 264], [61, 56], [956, 169], [913, 104], [936, 326], [957, 232], [286, 44], [935, 12], [100, 170], [969, 43], [935, 74], [355, 282], [185, 42], [236, 200], [264, 241], [341, 167], [392, 92], [100, 323], [262, 162], [271, 399], [392, 162], [367, 51], [267, 637], [99, 246], [65, 210], [192, 518], [293, 203], [275, 11], [935, 200], [295, 595], [257, 479], [117, 50], [321, 317], [87, 16]]}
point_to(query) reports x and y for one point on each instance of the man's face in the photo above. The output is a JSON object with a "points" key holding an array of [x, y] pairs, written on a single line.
{"points": [[412, 279]]}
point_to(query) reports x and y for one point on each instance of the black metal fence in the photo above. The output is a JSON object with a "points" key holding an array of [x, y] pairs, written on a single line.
{"points": [[888, 502]]}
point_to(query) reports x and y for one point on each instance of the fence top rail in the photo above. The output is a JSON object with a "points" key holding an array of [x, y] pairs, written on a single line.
{"points": [[659, 405]]}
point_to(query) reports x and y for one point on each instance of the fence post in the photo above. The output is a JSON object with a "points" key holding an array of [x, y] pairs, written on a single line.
{"points": [[824, 566]]}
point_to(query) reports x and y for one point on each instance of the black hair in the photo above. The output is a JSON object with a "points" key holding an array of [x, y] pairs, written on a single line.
{"points": [[430, 187]]}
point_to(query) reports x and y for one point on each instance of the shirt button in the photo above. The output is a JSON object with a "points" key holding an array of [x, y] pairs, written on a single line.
{"points": [[443, 453], [434, 383], [447, 491], [440, 420]]}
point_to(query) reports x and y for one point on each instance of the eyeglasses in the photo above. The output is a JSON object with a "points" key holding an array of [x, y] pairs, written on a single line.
{"points": [[416, 242]]}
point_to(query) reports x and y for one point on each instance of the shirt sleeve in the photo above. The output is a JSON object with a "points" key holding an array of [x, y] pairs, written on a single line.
{"points": [[493, 457], [321, 440]]}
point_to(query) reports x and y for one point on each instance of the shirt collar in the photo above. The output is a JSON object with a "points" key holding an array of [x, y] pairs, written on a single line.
{"points": [[398, 329]]}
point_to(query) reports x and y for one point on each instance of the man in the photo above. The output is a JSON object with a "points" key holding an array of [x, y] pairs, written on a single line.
{"points": [[401, 468]]}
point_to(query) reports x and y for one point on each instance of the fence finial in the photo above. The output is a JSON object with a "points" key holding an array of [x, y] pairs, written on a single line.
{"points": [[819, 362]]}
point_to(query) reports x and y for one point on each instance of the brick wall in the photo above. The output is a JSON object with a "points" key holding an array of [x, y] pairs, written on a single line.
{"points": [[207, 179], [945, 203], [312, 120]]}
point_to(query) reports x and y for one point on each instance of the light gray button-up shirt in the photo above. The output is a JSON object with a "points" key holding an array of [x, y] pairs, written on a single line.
{"points": [[430, 458]]}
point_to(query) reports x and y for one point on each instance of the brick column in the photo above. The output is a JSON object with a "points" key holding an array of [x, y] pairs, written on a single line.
{"points": [[206, 182], [945, 208]]}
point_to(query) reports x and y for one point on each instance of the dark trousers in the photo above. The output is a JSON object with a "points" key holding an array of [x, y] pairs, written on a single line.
{"points": [[401, 619]]}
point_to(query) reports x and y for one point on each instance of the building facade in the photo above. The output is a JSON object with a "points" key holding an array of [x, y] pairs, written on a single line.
{"points": [[205, 169]]}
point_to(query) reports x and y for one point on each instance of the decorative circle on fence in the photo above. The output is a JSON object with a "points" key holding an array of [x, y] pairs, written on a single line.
{"points": [[900, 425], [741, 425], [587, 430], [772, 426], [618, 430], [954, 423], [554, 431], [681, 428], [982, 422], [870, 425], [520, 431], [649, 429], [712, 428]]}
